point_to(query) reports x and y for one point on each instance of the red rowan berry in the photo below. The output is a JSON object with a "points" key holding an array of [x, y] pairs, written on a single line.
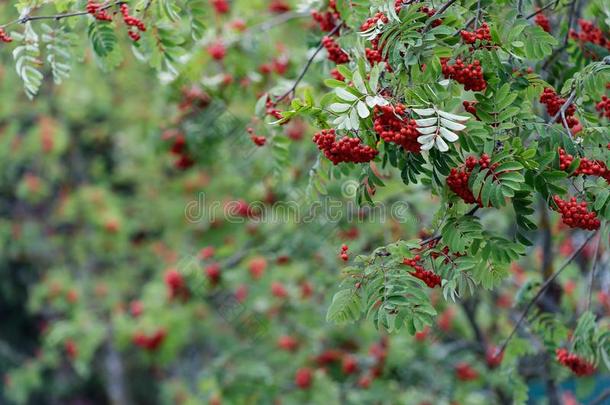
{"points": [[493, 357], [349, 365], [213, 273], [257, 266], [278, 290], [288, 343], [220, 6], [465, 372], [303, 378], [279, 6]]}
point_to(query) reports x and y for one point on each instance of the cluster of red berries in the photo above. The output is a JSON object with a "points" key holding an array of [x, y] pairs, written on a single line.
{"points": [[279, 6], [278, 65], [272, 111], [604, 107], [176, 286], [193, 97], [345, 149], [95, 9], [372, 21], [335, 74], [343, 254], [4, 37], [430, 12], [493, 357], [471, 75], [179, 149], [579, 366], [213, 273], [458, 180], [585, 167], [554, 103], [465, 372], [429, 277], [257, 139], [576, 215], [543, 22], [71, 349], [374, 56], [335, 53], [471, 107], [459, 177], [327, 20], [217, 50], [590, 33], [149, 342], [132, 21], [481, 34], [220, 6], [392, 125]]}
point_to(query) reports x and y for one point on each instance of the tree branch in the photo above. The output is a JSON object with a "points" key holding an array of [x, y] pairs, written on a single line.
{"points": [[592, 275], [57, 17], [306, 68], [546, 284]]}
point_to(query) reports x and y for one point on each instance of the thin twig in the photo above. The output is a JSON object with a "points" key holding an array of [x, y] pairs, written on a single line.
{"points": [[307, 65], [546, 285], [57, 17], [437, 237], [478, 14], [541, 9], [601, 398], [438, 12], [564, 107], [592, 275]]}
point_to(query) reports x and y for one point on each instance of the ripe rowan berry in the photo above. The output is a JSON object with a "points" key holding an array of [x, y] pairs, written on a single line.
{"points": [[220, 6], [288, 343], [217, 50], [303, 378]]}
